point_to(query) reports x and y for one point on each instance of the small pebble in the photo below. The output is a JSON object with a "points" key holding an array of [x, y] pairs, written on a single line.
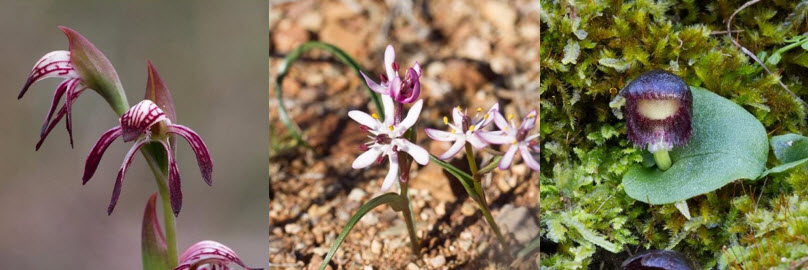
{"points": [[437, 261], [292, 228]]}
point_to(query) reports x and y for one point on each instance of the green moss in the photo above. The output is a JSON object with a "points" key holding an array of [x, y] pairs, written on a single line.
{"points": [[590, 50]]}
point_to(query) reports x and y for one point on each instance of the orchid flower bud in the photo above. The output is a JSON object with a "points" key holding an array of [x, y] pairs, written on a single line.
{"points": [[659, 108]]}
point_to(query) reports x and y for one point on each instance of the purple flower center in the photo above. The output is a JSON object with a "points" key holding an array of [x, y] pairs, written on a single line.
{"points": [[521, 135], [383, 139], [466, 123]]}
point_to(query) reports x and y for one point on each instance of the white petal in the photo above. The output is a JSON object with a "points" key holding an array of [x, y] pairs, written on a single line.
{"points": [[366, 158], [389, 58], [491, 112], [418, 153], [373, 85], [476, 141], [529, 121], [505, 163], [528, 158], [459, 144], [500, 121], [364, 119], [496, 137], [440, 135], [412, 115], [392, 174], [417, 69], [394, 88], [457, 117], [389, 109]]}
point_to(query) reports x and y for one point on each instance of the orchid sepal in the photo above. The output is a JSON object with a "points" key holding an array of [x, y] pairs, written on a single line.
{"points": [[209, 255], [154, 250]]}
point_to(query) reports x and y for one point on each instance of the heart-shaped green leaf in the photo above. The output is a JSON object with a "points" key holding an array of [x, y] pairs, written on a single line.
{"points": [[728, 143]]}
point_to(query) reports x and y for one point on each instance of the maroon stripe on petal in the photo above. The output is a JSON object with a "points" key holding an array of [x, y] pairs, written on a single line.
{"points": [[200, 149], [53, 123], [72, 94], [97, 151], [53, 64], [60, 92], [138, 119], [174, 184], [116, 190]]}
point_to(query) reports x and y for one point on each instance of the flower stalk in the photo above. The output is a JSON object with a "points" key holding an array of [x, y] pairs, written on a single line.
{"points": [[482, 203]]}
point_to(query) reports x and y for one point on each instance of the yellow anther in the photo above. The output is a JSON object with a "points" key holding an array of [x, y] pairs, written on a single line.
{"points": [[390, 128], [513, 142], [479, 109], [453, 131], [446, 120], [459, 109], [531, 115], [375, 116], [485, 116], [472, 127], [510, 116]]}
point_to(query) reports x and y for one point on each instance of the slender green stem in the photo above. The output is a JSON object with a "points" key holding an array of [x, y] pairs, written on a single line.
{"points": [[663, 160], [168, 215], [482, 203], [409, 219]]}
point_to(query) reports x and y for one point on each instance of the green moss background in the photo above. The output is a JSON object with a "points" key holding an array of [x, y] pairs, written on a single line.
{"points": [[589, 51]]}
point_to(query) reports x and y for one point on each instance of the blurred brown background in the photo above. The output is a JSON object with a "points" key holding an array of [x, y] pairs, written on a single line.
{"points": [[212, 55]]}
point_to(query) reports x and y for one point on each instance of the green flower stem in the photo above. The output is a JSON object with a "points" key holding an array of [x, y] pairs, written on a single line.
{"points": [[482, 202], [409, 219], [663, 160], [168, 215]]}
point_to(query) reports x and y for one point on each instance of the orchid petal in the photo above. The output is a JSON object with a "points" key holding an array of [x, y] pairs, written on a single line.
{"points": [[394, 88], [412, 115], [374, 86], [392, 174], [97, 151], [500, 121], [389, 59], [505, 163], [209, 254], [453, 150], [366, 158], [62, 112], [53, 64], [440, 135], [417, 69], [72, 94], [389, 109], [127, 160], [174, 184], [528, 158], [457, 117], [157, 91], [60, 92], [199, 147], [364, 119], [418, 153], [489, 116], [495, 138], [530, 121], [138, 119]]}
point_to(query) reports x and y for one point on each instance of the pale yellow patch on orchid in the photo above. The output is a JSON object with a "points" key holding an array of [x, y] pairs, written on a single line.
{"points": [[657, 109]]}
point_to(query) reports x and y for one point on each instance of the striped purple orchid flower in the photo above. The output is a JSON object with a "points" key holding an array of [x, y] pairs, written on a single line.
{"points": [[516, 137], [463, 128], [145, 123], [81, 67], [402, 90], [209, 255]]}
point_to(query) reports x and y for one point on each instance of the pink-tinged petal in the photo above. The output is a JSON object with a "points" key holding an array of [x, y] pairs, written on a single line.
{"points": [[127, 160], [366, 158], [453, 150], [157, 91], [209, 255], [440, 135], [72, 95], [412, 115], [97, 151], [500, 121], [392, 174], [529, 121], [199, 147], [528, 158], [394, 88], [457, 117], [418, 153], [389, 109], [152, 240], [374, 86], [476, 142], [95, 70], [491, 112], [53, 64], [389, 59], [417, 69], [364, 119], [505, 163], [495, 137], [174, 184], [139, 119]]}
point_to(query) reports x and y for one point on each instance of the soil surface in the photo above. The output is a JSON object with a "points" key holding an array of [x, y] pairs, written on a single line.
{"points": [[473, 54]]}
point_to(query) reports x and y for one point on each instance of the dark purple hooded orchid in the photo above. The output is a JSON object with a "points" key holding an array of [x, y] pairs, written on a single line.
{"points": [[401, 90], [82, 67], [144, 123]]}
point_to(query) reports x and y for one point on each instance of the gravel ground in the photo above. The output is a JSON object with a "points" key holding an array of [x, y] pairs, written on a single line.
{"points": [[474, 54]]}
